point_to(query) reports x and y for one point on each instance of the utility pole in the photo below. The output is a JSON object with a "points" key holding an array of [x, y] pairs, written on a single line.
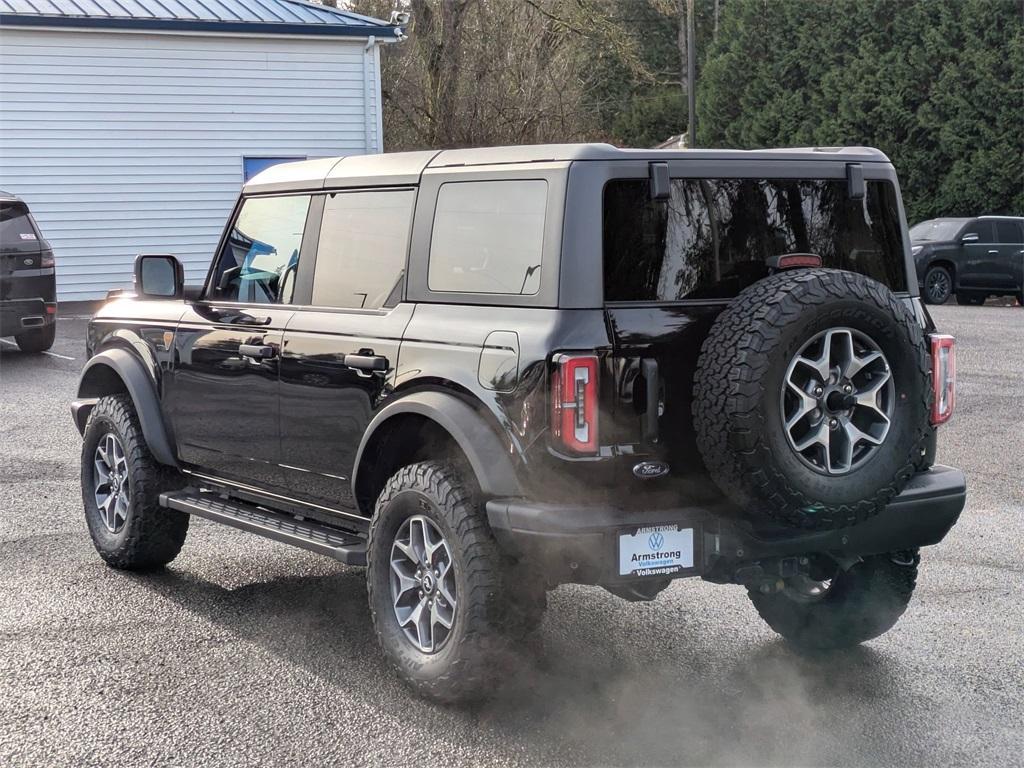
{"points": [[691, 77]]}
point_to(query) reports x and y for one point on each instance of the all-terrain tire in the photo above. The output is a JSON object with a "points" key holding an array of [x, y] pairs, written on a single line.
{"points": [[738, 386], [860, 604], [487, 621], [38, 339], [151, 535]]}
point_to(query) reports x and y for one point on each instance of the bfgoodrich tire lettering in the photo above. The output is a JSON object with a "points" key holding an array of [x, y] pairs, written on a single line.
{"points": [[485, 621], [742, 370], [149, 535]]}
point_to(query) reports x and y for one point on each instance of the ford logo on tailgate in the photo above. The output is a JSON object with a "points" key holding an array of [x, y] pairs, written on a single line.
{"points": [[649, 470]]}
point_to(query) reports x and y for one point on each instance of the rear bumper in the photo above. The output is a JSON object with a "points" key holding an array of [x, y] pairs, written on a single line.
{"points": [[20, 315], [579, 543]]}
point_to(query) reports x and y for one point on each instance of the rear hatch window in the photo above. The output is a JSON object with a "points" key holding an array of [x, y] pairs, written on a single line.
{"points": [[712, 237], [16, 230]]}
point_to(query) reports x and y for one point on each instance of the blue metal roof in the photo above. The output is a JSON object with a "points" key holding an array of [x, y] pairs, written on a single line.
{"points": [[255, 16]]}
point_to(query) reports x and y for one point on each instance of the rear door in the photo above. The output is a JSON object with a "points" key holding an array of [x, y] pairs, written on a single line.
{"points": [[1010, 234], [340, 351], [223, 398], [671, 266]]}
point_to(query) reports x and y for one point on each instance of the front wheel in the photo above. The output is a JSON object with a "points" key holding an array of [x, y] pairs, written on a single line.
{"points": [[440, 592], [121, 486], [938, 285], [833, 608]]}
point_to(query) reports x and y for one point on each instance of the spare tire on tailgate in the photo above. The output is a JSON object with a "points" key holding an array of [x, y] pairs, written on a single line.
{"points": [[811, 398]]}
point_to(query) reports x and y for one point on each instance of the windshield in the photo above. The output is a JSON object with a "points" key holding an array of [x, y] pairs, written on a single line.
{"points": [[935, 229], [714, 237]]}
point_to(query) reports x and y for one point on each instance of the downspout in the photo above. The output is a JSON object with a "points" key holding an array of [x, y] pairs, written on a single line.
{"points": [[369, 118]]}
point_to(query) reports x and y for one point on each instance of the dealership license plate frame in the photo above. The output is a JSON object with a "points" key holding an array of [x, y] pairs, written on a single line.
{"points": [[696, 548]]}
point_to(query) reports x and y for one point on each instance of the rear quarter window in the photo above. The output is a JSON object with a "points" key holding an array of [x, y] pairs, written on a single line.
{"points": [[712, 237], [488, 237]]}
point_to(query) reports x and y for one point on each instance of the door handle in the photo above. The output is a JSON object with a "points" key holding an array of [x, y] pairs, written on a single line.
{"points": [[250, 320], [367, 362], [257, 351]]}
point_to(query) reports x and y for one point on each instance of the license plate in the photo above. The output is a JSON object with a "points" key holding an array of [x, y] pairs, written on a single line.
{"points": [[656, 550]]}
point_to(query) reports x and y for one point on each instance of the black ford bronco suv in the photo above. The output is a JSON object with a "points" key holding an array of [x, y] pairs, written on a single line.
{"points": [[483, 373]]}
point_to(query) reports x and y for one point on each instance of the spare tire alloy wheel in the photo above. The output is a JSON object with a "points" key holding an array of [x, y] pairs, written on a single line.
{"points": [[111, 489], [811, 398], [837, 401], [423, 584]]}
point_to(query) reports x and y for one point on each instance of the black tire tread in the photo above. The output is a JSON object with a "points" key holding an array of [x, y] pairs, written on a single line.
{"points": [[37, 339], [155, 535], [490, 622], [870, 599], [728, 389]]}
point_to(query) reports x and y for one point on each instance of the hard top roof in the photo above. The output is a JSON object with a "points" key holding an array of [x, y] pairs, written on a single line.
{"points": [[401, 168]]}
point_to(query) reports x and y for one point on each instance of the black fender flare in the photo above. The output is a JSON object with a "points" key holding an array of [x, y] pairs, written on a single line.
{"points": [[142, 390], [487, 457]]}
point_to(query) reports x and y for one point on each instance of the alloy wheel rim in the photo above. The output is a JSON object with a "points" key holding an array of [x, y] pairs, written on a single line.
{"points": [[112, 490], [837, 401], [423, 593], [938, 285]]}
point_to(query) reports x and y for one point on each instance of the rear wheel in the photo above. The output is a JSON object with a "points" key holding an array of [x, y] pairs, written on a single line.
{"points": [[964, 298], [938, 285], [38, 339], [834, 608], [121, 485], [445, 603]]}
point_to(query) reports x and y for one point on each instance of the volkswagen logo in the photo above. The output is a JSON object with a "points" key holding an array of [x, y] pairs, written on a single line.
{"points": [[649, 470], [655, 541]]}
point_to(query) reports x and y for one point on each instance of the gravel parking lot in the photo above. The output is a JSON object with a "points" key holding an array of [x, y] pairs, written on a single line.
{"points": [[246, 652]]}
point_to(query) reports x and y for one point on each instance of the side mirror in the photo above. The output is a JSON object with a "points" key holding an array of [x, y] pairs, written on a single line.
{"points": [[970, 237], [158, 277]]}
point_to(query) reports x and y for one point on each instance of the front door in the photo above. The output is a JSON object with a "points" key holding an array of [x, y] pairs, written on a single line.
{"points": [[223, 397], [980, 263], [340, 353]]}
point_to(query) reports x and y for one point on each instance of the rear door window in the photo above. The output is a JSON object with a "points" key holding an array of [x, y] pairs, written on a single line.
{"points": [[488, 237], [713, 237], [364, 239], [1009, 231], [260, 259]]}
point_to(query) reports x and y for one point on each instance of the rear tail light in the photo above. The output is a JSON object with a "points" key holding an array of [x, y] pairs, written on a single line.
{"points": [[943, 378], [574, 403], [46, 262]]}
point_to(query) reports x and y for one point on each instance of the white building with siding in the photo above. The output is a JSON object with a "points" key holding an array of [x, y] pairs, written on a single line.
{"points": [[129, 126]]}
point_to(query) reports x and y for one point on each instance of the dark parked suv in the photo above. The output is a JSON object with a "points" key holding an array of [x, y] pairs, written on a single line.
{"points": [[28, 290], [972, 258], [483, 373]]}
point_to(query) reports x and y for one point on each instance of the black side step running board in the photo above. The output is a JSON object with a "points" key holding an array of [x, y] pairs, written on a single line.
{"points": [[342, 545]]}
